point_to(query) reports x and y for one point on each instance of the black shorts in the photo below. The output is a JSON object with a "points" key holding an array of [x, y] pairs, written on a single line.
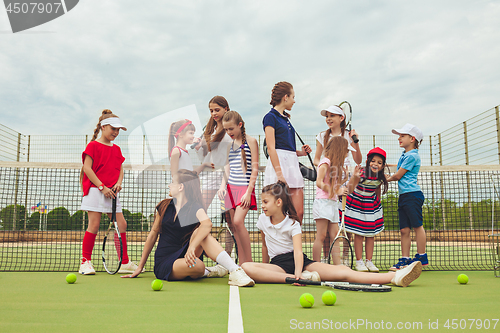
{"points": [[410, 210], [287, 262]]}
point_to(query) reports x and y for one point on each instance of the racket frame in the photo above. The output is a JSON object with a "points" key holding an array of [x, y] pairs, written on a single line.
{"points": [[348, 122], [342, 234], [112, 224], [343, 285]]}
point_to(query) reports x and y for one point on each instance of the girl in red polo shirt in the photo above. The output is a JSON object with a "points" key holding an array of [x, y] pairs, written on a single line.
{"points": [[101, 179]]}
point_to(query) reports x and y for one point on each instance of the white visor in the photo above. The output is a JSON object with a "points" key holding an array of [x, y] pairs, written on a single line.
{"points": [[114, 122]]}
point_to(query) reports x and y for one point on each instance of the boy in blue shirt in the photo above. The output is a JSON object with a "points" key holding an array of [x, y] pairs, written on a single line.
{"points": [[411, 197]]}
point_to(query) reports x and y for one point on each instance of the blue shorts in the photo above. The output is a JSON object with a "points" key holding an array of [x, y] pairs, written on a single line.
{"points": [[410, 209]]}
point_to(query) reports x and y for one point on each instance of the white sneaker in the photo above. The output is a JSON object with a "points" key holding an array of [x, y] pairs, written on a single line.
{"points": [[87, 268], [217, 271], [240, 278], [360, 266], [129, 268], [407, 275], [324, 260], [371, 267], [313, 276]]}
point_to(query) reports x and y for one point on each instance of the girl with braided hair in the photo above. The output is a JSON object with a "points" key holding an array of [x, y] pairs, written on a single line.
{"points": [[283, 164], [101, 179], [241, 173]]}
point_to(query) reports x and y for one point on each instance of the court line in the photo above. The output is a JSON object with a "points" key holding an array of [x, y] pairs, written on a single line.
{"points": [[235, 320]]}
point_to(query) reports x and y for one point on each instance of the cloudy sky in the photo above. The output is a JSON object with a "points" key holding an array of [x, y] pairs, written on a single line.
{"points": [[432, 63]]}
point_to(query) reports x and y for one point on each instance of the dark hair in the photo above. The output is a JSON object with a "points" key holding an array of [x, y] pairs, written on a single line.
{"points": [[280, 190], [380, 173], [417, 143], [212, 126], [280, 90], [236, 118], [106, 113]]}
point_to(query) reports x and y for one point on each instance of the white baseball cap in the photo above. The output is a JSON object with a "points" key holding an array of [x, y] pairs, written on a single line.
{"points": [[335, 109], [411, 130], [114, 122]]}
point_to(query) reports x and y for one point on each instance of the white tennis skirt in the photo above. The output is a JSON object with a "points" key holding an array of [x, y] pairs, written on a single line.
{"points": [[327, 209], [95, 201], [211, 180], [289, 163]]}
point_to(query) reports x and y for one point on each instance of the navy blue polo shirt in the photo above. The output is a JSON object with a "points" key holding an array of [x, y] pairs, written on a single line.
{"points": [[284, 133]]}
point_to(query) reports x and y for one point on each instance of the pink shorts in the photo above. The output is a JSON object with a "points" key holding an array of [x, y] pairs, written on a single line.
{"points": [[234, 194]]}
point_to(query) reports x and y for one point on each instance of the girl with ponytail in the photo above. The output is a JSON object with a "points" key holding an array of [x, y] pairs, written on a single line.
{"points": [[101, 179]]}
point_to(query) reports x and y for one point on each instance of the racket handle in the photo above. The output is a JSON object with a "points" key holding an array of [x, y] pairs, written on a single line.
{"points": [[194, 145], [355, 139]]}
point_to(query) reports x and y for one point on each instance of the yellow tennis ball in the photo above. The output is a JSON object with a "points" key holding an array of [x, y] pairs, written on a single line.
{"points": [[71, 278], [329, 297], [157, 284], [463, 279], [306, 300]]}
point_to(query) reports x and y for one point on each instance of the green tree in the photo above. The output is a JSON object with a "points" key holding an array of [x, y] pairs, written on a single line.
{"points": [[79, 220], [7, 217], [58, 219]]}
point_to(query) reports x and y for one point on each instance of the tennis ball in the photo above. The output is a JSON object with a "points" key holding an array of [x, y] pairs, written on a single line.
{"points": [[71, 278], [329, 297], [306, 300], [463, 279], [157, 284]]}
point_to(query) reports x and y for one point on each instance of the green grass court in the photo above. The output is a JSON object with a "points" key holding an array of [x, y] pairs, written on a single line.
{"points": [[44, 302]]}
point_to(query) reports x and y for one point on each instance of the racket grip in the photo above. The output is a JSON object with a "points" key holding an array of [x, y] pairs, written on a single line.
{"points": [[194, 145], [355, 139], [301, 281]]}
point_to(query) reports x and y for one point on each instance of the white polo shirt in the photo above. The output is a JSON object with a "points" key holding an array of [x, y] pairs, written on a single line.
{"points": [[278, 236]]}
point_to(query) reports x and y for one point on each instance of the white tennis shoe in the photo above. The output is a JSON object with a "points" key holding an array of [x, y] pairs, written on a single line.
{"points": [[129, 268], [313, 276], [407, 275], [239, 278], [217, 271], [87, 268], [361, 267], [371, 267]]}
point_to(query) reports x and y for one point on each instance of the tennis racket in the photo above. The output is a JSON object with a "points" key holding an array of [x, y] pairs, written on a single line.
{"points": [[346, 106], [343, 285], [341, 250], [225, 236], [112, 246], [201, 137]]}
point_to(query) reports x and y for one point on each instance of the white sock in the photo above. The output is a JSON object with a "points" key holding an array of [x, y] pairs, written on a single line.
{"points": [[359, 261], [206, 272], [367, 260], [225, 260]]}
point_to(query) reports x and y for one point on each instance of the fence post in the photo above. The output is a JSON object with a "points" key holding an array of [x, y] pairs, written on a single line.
{"points": [[467, 175], [16, 190], [441, 182], [432, 187], [374, 142], [498, 131], [27, 182]]}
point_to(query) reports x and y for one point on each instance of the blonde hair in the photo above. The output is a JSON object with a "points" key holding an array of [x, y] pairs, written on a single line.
{"points": [[335, 151], [174, 127], [236, 118]]}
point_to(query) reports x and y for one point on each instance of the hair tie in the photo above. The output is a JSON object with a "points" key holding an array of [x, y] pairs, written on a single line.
{"points": [[179, 131], [242, 146]]}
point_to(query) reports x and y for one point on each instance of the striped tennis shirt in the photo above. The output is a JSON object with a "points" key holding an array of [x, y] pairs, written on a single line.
{"points": [[237, 176]]}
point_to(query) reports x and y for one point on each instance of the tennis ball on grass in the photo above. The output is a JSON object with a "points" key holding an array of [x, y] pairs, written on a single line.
{"points": [[329, 297], [71, 278], [463, 279], [306, 300], [157, 284]]}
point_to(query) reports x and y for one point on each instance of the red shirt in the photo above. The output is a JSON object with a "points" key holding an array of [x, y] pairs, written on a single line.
{"points": [[106, 164]]}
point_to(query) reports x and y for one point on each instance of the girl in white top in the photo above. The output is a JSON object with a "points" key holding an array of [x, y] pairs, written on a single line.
{"points": [[282, 244], [212, 150], [335, 119], [331, 175], [241, 169], [180, 135]]}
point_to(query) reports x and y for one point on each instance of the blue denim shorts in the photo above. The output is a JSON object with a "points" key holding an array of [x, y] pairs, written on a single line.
{"points": [[410, 210]]}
